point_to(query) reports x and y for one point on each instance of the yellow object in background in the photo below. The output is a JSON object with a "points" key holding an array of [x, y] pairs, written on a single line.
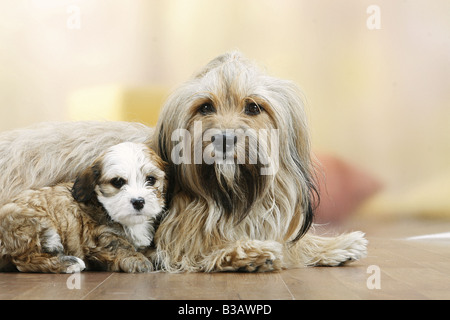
{"points": [[431, 199], [117, 103]]}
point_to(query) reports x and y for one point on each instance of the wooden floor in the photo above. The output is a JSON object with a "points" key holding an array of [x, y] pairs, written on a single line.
{"points": [[396, 268]]}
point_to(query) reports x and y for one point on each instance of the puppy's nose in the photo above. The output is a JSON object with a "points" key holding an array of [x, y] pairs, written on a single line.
{"points": [[224, 142], [138, 203]]}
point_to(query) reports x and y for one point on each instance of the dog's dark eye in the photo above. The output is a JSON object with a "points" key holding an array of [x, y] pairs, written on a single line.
{"points": [[151, 180], [206, 108], [253, 109], [117, 182]]}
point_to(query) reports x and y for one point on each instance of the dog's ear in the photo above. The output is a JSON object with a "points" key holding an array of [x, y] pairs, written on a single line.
{"points": [[161, 147], [83, 189], [298, 154], [309, 204], [306, 179], [166, 185], [166, 170]]}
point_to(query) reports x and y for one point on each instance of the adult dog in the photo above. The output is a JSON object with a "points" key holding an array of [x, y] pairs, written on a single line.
{"points": [[241, 177]]}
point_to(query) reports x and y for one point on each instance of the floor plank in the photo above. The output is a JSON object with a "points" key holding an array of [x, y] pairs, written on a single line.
{"points": [[24, 286], [193, 286]]}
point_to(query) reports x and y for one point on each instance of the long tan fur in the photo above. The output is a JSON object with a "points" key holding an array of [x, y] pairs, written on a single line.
{"points": [[230, 217], [221, 217]]}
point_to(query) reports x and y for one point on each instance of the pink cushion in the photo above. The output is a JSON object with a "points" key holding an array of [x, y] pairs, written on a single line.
{"points": [[342, 187]]}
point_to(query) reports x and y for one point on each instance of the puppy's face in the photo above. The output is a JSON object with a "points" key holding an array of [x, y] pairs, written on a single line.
{"points": [[128, 180]]}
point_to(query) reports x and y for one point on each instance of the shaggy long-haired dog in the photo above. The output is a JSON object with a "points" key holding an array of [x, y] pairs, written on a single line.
{"points": [[100, 221], [241, 188]]}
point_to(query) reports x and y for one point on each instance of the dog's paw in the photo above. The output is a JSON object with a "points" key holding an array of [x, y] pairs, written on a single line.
{"points": [[357, 247], [345, 248], [252, 256], [136, 264], [72, 264]]}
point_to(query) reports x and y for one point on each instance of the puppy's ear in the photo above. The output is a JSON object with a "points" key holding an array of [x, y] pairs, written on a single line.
{"points": [[83, 189], [167, 178], [163, 166]]}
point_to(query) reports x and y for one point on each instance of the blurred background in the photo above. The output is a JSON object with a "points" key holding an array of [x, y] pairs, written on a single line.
{"points": [[376, 76]]}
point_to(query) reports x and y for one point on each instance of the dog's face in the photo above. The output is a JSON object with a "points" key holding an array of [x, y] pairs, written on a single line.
{"points": [[128, 180], [229, 111], [239, 130]]}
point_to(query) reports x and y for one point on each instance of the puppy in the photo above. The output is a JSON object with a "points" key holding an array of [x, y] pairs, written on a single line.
{"points": [[99, 222]]}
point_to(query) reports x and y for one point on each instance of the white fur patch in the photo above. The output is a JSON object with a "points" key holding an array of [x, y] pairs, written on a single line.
{"points": [[76, 267], [141, 234]]}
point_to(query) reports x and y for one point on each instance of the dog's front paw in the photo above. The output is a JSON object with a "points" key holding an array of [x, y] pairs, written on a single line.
{"points": [[345, 248], [136, 264], [252, 256], [357, 248], [71, 264]]}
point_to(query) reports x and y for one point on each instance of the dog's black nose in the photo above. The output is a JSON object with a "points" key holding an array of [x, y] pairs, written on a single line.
{"points": [[224, 141], [138, 203]]}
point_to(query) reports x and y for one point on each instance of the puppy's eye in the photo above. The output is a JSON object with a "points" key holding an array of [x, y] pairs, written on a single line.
{"points": [[151, 180], [206, 108], [118, 182], [253, 109]]}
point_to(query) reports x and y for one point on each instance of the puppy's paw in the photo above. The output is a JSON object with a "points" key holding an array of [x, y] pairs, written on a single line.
{"points": [[136, 264], [252, 256], [71, 264]]}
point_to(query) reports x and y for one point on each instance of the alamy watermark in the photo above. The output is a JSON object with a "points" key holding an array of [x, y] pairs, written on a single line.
{"points": [[373, 21], [74, 281], [74, 19], [374, 280], [230, 146]]}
